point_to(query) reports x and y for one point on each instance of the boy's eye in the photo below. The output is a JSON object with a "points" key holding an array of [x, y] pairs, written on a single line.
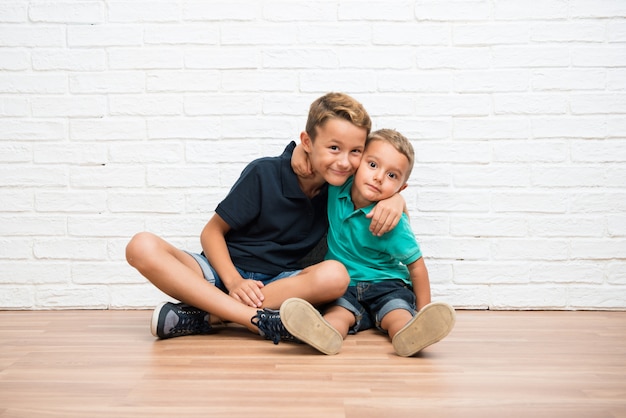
{"points": [[393, 175], [372, 164], [334, 147]]}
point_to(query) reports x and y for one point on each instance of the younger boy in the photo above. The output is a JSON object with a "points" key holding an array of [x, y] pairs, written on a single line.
{"points": [[389, 285]]}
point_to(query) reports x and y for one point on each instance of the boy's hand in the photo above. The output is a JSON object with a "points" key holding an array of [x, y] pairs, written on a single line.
{"points": [[386, 215], [248, 292], [300, 163]]}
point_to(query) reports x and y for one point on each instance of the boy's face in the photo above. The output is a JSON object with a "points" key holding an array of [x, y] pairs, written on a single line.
{"points": [[336, 153], [382, 173]]}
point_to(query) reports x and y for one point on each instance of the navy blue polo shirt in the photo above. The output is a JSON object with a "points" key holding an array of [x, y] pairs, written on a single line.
{"points": [[273, 223]]}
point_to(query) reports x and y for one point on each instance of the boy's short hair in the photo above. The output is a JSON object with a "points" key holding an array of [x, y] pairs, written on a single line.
{"points": [[399, 142], [336, 105]]}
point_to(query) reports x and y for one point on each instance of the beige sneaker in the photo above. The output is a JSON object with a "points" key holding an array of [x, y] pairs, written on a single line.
{"points": [[305, 323], [430, 325]]}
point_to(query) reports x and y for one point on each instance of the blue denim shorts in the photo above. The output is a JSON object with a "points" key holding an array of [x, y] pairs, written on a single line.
{"points": [[211, 275], [370, 302]]}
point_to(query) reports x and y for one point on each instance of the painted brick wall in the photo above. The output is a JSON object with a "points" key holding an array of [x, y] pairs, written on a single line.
{"points": [[118, 117]]}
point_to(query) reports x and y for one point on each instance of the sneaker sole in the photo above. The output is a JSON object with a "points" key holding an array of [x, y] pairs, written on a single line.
{"points": [[429, 326], [305, 323], [154, 322]]}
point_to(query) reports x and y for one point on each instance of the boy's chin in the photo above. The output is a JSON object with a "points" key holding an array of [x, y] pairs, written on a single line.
{"points": [[336, 180]]}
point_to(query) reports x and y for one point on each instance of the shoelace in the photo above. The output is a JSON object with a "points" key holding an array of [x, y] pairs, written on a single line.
{"points": [[190, 324], [271, 326]]}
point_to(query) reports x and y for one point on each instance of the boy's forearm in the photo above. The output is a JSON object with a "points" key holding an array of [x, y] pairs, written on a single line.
{"points": [[214, 246], [421, 282]]}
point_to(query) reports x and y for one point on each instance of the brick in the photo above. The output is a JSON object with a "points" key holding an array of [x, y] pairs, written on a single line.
{"points": [[145, 105], [581, 297], [13, 12], [259, 81], [530, 104], [569, 79], [104, 35], [28, 176], [107, 82], [222, 10], [247, 34], [97, 273], [67, 12], [15, 153], [63, 248], [42, 272], [14, 59], [106, 176], [32, 225], [452, 11], [490, 33], [189, 34], [17, 296], [491, 80], [38, 84], [375, 10], [108, 129], [454, 58], [514, 297], [48, 106], [62, 296], [525, 56], [477, 273], [529, 202], [143, 11], [222, 104], [572, 272], [70, 201], [533, 9]]}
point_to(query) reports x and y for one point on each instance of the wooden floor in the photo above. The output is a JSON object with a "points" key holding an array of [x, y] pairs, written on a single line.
{"points": [[493, 364]]}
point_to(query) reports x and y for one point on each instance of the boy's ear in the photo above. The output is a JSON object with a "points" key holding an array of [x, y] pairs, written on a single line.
{"points": [[305, 139], [403, 187]]}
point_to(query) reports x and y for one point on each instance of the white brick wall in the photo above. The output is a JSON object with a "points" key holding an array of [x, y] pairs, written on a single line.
{"points": [[117, 117]]}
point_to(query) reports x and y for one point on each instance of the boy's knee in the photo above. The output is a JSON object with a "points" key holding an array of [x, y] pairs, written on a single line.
{"points": [[139, 245], [336, 273]]}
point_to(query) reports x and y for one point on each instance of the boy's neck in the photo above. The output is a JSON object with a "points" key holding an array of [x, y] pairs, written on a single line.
{"points": [[357, 201], [311, 186]]}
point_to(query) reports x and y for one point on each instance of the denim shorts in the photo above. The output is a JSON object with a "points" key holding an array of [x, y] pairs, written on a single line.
{"points": [[211, 275], [370, 302]]}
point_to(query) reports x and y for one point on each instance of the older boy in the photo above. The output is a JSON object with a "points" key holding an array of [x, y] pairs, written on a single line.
{"points": [[389, 285], [270, 219]]}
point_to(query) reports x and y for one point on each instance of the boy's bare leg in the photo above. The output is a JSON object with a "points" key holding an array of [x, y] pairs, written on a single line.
{"points": [[395, 320], [177, 274], [317, 284], [340, 318]]}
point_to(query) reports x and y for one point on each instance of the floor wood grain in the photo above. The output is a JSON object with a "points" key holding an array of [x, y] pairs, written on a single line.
{"points": [[493, 364]]}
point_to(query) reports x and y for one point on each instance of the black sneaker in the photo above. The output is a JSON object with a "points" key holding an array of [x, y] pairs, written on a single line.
{"points": [[270, 326], [171, 320]]}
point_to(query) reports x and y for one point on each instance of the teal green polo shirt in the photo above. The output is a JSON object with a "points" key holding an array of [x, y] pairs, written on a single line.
{"points": [[368, 258]]}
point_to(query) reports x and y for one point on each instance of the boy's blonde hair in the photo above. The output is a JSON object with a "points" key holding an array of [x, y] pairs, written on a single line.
{"points": [[336, 105], [399, 142]]}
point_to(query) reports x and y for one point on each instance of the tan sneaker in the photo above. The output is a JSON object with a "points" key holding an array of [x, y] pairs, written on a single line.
{"points": [[430, 325], [305, 323]]}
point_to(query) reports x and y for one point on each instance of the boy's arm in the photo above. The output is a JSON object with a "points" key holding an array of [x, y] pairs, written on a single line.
{"points": [[214, 245], [386, 214], [300, 163], [421, 283]]}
